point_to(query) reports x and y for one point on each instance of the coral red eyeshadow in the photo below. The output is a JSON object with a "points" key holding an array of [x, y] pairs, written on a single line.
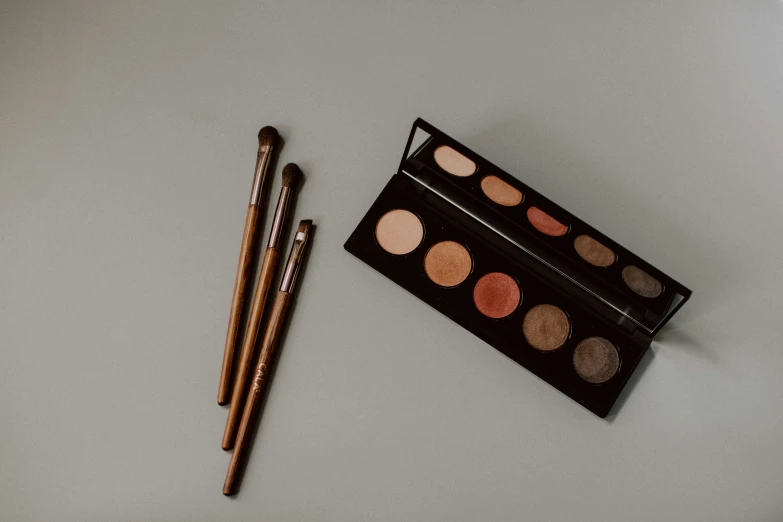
{"points": [[496, 295], [545, 223]]}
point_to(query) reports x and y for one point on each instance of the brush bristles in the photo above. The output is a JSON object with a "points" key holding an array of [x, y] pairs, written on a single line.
{"points": [[267, 136], [291, 175], [305, 226]]}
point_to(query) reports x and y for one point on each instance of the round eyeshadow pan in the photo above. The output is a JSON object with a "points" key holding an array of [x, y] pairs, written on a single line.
{"points": [[496, 295], [448, 263], [546, 327], [453, 162], [399, 232], [641, 282], [596, 360], [545, 223], [594, 252], [500, 192]]}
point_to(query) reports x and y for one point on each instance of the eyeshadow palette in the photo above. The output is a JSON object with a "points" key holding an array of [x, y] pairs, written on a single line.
{"points": [[515, 269]]}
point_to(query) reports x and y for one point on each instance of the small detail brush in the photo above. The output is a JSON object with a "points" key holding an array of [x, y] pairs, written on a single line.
{"points": [[291, 176], [277, 320], [267, 137]]}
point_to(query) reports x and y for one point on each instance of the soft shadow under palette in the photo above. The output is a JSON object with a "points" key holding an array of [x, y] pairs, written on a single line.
{"points": [[515, 269]]}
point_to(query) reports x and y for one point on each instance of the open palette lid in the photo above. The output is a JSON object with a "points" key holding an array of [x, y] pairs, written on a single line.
{"points": [[552, 243]]}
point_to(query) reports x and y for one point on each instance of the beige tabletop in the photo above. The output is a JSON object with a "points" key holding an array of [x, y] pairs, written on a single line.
{"points": [[127, 144]]}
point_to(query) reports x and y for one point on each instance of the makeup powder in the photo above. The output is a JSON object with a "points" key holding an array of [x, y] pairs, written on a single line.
{"points": [[496, 295], [596, 360], [448, 263], [641, 282], [453, 162], [545, 223], [501, 192], [546, 327], [593, 252], [399, 232]]}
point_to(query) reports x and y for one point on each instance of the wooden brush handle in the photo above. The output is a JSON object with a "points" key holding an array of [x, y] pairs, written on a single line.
{"points": [[271, 339], [240, 284], [268, 269]]}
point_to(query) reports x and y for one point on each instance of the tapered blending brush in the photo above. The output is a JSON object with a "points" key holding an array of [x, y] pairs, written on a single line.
{"points": [[267, 138], [291, 176]]}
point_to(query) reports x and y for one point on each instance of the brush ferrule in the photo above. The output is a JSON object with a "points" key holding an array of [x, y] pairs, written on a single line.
{"points": [[262, 165], [295, 258], [283, 204]]}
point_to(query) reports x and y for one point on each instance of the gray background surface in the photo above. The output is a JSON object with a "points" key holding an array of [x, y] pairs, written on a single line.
{"points": [[127, 143]]}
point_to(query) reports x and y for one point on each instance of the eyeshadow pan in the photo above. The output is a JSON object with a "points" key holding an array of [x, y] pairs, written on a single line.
{"points": [[453, 162], [546, 327], [596, 360], [399, 232], [641, 282], [496, 295], [545, 223], [501, 192], [448, 263], [594, 252]]}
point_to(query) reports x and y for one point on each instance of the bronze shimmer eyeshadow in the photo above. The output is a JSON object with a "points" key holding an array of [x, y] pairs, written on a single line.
{"points": [[501, 192], [546, 327], [447, 263], [593, 252], [515, 269]]}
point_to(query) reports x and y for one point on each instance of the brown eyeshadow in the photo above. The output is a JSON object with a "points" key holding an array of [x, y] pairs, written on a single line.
{"points": [[453, 162], [545, 223], [448, 263], [593, 252], [501, 192], [399, 232], [496, 295], [596, 360], [546, 327], [641, 282]]}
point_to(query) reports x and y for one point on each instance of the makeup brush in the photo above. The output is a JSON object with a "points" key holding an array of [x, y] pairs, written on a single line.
{"points": [[267, 137], [291, 176], [271, 339]]}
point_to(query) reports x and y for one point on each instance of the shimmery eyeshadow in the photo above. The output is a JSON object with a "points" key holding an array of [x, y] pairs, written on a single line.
{"points": [[545, 223], [496, 295], [448, 263], [641, 282], [399, 232], [596, 360], [453, 162], [546, 327], [594, 252], [501, 192]]}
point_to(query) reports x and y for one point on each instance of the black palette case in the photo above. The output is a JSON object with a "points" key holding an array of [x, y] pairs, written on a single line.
{"points": [[547, 269]]}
